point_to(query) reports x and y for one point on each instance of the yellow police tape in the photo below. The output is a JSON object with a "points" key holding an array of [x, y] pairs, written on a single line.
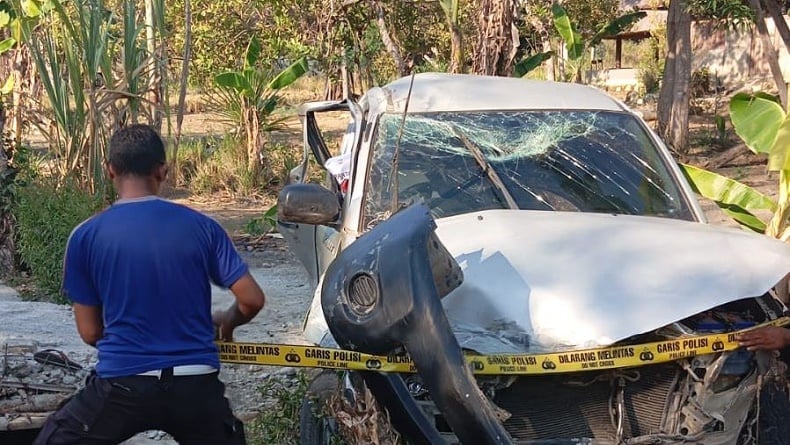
{"points": [[491, 364]]}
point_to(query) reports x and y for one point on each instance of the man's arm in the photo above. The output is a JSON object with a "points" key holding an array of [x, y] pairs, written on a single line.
{"points": [[89, 323], [249, 301]]}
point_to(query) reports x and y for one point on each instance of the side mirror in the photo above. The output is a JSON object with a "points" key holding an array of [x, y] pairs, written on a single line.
{"points": [[308, 204]]}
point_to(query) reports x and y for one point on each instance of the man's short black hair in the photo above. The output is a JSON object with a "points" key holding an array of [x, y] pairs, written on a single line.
{"points": [[136, 150]]}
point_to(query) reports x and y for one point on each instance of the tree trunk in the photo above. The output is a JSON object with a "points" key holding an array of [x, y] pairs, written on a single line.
{"points": [[456, 48], [673, 102], [392, 46], [497, 39], [771, 55], [549, 64], [6, 218], [154, 78], [254, 142], [775, 12], [20, 68], [182, 93], [344, 78]]}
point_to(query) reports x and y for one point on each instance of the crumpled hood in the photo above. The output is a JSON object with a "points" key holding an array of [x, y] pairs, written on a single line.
{"points": [[568, 280]]}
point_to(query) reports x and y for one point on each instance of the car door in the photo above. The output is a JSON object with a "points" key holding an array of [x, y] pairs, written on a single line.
{"points": [[316, 245]]}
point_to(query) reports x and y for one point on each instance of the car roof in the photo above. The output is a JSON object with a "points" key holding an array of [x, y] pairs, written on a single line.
{"points": [[463, 92]]}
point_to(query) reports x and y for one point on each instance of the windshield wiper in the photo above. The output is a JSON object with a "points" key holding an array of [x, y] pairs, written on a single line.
{"points": [[486, 167]]}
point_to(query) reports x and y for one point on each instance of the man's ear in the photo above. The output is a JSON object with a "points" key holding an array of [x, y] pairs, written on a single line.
{"points": [[110, 170], [160, 173]]}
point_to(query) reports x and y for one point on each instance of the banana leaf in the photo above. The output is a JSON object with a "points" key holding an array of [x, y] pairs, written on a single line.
{"points": [[254, 49], [289, 75], [618, 25], [756, 119], [779, 156], [523, 67], [450, 8], [7, 44], [734, 198], [235, 80], [573, 40]]}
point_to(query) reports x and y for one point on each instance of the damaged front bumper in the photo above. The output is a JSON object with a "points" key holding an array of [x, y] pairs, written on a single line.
{"points": [[373, 304]]}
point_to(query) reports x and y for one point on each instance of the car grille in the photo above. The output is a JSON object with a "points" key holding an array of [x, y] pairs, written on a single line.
{"points": [[552, 407]]}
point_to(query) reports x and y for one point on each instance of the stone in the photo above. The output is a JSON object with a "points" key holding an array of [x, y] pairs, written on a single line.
{"points": [[70, 380], [8, 293]]}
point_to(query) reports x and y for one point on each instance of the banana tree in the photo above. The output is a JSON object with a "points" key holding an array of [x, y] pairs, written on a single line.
{"points": [[764, 126], [575, 45], [250, 96]]}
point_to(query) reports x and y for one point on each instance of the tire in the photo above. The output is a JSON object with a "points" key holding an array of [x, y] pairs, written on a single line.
{"points": [[314, 427]]}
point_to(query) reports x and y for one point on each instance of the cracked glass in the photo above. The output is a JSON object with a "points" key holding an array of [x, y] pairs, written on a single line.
{"points": [[583, 161]]}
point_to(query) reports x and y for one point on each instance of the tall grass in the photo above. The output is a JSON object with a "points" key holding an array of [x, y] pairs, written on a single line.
{"points": [[76, 48], [219, 165]]}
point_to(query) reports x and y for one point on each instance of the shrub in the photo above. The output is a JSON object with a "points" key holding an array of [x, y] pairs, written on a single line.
{"points": [[223, 168], [651, 60], [279, 423], [218, 164], [46, 214]]}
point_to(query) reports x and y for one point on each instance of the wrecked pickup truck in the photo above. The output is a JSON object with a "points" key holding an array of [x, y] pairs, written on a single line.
{"points": [[505, 216]]}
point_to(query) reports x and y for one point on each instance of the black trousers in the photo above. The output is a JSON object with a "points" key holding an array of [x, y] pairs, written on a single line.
{"points": [[193, 409]]}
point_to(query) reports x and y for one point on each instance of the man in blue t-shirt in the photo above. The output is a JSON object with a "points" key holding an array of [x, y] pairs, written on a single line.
{"points": [[139, 276]]}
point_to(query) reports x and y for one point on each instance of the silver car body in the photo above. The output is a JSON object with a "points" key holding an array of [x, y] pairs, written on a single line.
{"points": [[574, 292], [562, 280]]}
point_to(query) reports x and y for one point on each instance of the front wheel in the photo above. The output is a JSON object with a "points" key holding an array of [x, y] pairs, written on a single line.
{"points": [[315, 428]]}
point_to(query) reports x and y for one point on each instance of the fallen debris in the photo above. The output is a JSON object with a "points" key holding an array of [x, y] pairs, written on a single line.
{"points": [[34, 383]]}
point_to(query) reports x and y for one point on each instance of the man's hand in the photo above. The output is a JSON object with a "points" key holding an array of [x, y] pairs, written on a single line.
{"points": [[766, 338], [222, 327], [249, 301]]}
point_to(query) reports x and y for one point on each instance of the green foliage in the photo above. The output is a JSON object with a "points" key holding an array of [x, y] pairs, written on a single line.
{"points": [[617, 25], [91, 63], [650, 60], [591, 15], [765, 128], [532, 62], [249, 98], [218, 166], [450, 8], [279, 424], [757, 119], [721, 128], [264, 224], [46, 213], [735, 199], [287, 29], [728, 14], [566, 30], [218, 29], [254, 90], [575, 44]]}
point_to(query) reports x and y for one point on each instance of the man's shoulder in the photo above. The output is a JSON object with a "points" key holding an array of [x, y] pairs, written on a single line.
{"points": [[89, 224], [189, 212]]}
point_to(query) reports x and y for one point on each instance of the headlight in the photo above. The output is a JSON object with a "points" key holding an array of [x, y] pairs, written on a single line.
{"points": [[736, 366]]}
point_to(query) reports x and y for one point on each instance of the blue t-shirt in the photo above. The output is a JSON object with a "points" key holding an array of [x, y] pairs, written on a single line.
{"points": [[148, 263]]}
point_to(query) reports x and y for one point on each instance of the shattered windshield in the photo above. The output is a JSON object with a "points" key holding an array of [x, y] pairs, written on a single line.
{"points": [[585, 161]]}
